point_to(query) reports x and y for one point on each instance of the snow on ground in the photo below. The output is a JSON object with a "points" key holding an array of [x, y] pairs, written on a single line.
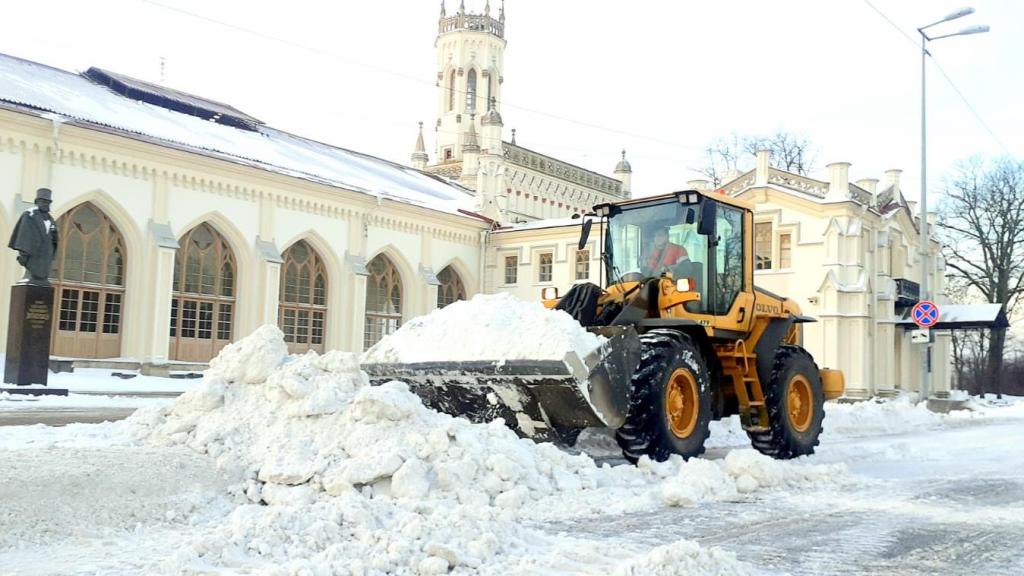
{"points": [[93, 388], [278, 464], [339, 475], [487, 327]]}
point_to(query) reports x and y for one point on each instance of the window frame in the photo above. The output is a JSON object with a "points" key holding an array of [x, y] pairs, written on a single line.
{"points": [[578, 262], [514, 269], [540, 267], [758, 254]]}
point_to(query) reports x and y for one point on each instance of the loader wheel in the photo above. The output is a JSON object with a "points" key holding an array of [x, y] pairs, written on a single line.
{"points": [[795, 401], [670, 406]]}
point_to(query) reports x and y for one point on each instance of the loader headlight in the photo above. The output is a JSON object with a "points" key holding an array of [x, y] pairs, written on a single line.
{"points": [[691, 197], [685, 284]]}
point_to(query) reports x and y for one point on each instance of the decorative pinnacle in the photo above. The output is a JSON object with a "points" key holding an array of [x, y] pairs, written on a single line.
{"points": [[462, 7], [419, 140], [442, 9], [513, 136]]}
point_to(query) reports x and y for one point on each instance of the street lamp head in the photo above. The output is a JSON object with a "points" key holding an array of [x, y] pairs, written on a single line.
{"points": [[979, 29], [965, 11]]}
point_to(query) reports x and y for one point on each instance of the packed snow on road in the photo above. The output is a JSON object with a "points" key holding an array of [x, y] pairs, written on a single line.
{"points": [[278, 464]]}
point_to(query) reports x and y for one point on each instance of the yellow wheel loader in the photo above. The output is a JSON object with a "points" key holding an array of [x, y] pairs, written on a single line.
{"points": [[689, 338]]}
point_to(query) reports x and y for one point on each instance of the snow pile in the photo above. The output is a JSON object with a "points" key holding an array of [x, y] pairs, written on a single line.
{"points": [[488, 327], [684, 558], [333, 475], [740, 472], [874, 417]]}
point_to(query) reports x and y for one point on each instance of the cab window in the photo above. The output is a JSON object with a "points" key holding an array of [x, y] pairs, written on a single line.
{"points": [[729, 258]]}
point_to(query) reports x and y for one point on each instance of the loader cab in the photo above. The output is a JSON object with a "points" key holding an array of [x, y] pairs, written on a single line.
{"points": [[686, 235]]}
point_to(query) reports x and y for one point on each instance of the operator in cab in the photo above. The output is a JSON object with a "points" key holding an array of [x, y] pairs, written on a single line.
{"points": [[664, 254]]}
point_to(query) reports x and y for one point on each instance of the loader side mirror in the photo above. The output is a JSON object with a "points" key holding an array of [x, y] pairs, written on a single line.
{"points": [[585, 233], [706, 220]]}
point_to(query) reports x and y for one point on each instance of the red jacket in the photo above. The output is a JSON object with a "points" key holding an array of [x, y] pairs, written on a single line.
{"points": [[667, 255]]}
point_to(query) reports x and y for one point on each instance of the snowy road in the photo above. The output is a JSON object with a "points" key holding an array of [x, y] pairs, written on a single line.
{"points": [[935, 502], [85, 499]]}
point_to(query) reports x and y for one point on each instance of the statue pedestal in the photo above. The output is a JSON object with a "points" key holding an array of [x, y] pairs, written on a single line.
{"points": [[28, 339]]}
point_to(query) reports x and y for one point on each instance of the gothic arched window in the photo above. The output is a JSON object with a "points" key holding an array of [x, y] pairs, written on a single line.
{"points": [[450, 288], [471, 92], [203, 299], [383, 300], [88, 278], [302, 310]]}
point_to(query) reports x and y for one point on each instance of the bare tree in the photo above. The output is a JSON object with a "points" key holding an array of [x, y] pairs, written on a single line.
{"points": [[727, 156], [722, 159], [790, 152], [981, 223]]}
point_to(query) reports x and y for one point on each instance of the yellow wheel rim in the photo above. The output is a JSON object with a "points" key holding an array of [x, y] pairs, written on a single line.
{"points": [[682, 403], [799, 403]]}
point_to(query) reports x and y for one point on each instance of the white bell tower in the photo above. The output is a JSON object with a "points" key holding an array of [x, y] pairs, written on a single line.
{"points": [[470, 59]]}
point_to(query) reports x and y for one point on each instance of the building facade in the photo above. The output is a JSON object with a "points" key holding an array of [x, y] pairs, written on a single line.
{"points": [[181, 233], [849, 254]]}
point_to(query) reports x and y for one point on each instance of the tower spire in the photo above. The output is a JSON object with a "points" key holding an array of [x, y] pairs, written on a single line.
{"points": [[442, 9], [471, 144], [501, 12], [487, 8], [419, 155], [462, 6]]}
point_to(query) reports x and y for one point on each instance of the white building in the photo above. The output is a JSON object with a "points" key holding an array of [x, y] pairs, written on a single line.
{"points": [[186, 223]]}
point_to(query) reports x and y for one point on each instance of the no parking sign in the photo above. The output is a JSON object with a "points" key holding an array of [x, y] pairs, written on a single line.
{"points": [[925, 314]]}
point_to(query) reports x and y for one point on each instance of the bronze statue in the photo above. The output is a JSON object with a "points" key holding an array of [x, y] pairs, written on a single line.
{"points": [[35, 239]]}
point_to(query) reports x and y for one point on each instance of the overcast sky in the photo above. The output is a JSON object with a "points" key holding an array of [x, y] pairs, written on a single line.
{"points": [[583, 78]]}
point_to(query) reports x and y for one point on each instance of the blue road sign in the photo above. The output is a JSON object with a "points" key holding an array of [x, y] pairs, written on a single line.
{"points": [[925, 314]]}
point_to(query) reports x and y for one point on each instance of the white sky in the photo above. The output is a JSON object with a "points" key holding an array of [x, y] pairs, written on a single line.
{"points": [[658, 78]]}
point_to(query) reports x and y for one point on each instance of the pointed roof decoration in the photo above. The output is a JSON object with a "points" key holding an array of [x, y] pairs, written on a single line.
{"points": [[513, 136], [443, 14], [492, 117], [462, 6], [420, 152], [501, 12], [623, 165], [471, 145], [487, 8], [419, 140]]}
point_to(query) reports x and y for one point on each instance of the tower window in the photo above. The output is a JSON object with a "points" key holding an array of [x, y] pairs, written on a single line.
{"points": [[471, 91]]}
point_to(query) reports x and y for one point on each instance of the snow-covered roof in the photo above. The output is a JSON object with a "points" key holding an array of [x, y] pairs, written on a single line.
{"points": [[953, 316], [42, 88]]}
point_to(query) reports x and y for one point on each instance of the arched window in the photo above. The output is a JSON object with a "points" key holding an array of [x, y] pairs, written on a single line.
{"points": [[302, 311], [203, 298], [471, 92], [88, 278], [451, 91], [451, 287], [383, 300]]}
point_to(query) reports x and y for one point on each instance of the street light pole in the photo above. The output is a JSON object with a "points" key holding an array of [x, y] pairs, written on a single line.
{"points": [[924, 239]]}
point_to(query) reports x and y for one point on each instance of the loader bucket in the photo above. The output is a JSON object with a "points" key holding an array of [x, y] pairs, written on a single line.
{"points": [[533, 396]]}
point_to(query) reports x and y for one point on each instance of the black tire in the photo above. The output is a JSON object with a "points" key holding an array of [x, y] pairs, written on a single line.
{"points": [[796, 434], [648, 429]]}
